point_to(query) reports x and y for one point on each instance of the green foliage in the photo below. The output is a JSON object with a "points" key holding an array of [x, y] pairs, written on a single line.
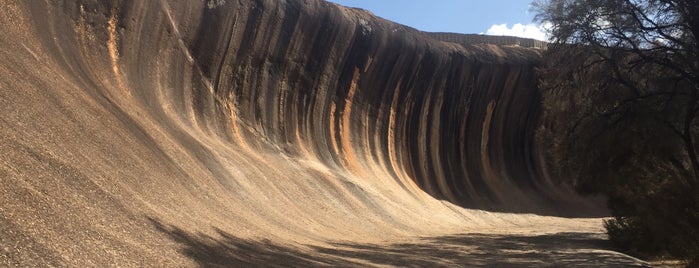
{"points": [[629, 234], [661, 223], [621, 95]]}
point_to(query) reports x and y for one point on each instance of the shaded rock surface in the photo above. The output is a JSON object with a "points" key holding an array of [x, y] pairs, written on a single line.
{"points": [[469, 39], [176, 133]]}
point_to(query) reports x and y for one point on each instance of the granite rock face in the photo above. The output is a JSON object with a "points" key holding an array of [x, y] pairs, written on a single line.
{"points": [[297, 121], [364, 94]]}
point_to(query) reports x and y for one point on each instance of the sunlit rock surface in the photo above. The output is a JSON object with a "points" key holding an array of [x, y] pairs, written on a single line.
{"points": [[273, 133]]}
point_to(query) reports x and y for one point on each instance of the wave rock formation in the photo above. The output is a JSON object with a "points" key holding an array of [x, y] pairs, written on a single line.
{"points": [[266, 132]]}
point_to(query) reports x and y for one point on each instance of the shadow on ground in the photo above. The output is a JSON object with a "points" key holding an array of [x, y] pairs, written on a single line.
{"points": [[467, 250]]}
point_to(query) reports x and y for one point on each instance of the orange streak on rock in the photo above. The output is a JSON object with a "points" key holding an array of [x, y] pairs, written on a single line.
{"points": [[488, 173], [345, 127], [397, 167], [113, 47]]}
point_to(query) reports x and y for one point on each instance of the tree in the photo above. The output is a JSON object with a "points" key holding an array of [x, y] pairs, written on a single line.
{"points": [[621, 98]]}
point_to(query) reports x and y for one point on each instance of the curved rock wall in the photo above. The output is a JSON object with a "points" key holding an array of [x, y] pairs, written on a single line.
{"points": [[364, 94], [297, 121]]}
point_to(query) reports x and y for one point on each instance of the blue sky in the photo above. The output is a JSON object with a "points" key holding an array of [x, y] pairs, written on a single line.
{"points": [[495, 17]]}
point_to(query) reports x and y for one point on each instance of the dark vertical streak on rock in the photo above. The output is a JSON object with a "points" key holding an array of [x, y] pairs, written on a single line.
{"points": [[315, 80]]}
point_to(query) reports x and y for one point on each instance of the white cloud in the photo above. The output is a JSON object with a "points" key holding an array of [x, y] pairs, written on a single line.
{"points": [[534, 31]]}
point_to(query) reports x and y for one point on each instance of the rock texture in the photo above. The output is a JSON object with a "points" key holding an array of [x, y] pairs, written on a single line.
{"points": [[264, 132], [469, 39]]}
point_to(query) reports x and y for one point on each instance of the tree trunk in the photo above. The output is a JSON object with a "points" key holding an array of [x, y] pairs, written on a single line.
{"points": [[688, 137]]}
